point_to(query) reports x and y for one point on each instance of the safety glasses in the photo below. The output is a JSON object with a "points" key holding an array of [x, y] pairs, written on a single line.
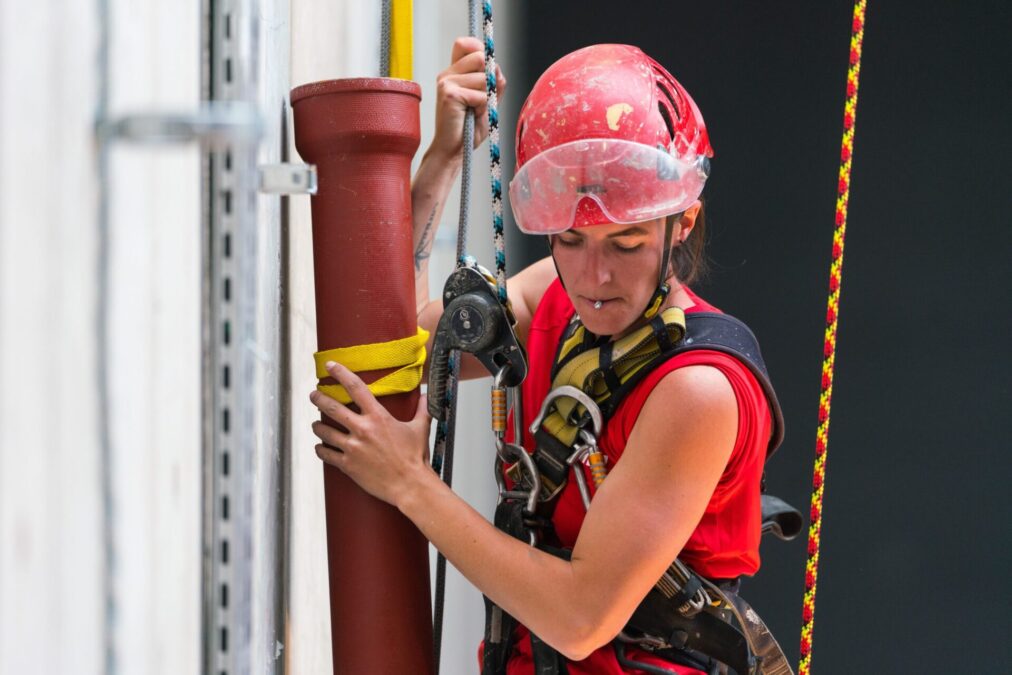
{"points": [[630, 182]]}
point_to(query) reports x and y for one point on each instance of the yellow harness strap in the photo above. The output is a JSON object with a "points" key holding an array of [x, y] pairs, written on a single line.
{"points": [[584, 371], [407, 353], [401, 21]]}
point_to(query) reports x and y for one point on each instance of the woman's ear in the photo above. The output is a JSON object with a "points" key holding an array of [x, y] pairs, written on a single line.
{"points": [[687, 222]]}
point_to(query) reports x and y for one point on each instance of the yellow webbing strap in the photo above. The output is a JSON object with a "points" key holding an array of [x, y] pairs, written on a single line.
{"points": [[629, 355], [406, 354], [401, 21]]}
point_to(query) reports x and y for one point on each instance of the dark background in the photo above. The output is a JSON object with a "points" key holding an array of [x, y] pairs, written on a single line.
{"points": [[916, 534]]}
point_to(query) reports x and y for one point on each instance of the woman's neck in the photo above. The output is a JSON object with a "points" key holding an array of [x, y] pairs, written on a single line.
{"points": [[678, 296]]}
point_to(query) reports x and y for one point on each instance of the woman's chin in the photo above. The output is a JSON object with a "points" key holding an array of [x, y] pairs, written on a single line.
{"points": [[600, 324], [610, 318]]}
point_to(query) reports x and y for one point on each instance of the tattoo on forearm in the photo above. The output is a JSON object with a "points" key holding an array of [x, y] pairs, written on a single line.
{"points": [[424, 247]]}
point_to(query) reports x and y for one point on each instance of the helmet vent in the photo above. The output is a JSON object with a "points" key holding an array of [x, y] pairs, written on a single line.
{"points": [[666, 103], [666, 114]]}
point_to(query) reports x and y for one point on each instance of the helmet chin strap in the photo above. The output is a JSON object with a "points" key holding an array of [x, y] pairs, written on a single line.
{"points": [[663, 288]]}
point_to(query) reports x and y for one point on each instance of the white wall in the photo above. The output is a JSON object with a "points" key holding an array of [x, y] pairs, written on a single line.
{"points": [[155, 347], [52, 617], [50, 596], [52, 566]]}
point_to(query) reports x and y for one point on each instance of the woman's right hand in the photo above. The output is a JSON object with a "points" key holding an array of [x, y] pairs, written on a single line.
{"points": [[459, 87]]}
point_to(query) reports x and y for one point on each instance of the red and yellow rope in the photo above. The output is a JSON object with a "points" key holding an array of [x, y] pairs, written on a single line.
{"points": [[829, 347]]}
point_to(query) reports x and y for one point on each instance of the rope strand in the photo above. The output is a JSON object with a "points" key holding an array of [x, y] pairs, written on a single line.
{"points": [[493, 147], [442, 451], [829, 346]]}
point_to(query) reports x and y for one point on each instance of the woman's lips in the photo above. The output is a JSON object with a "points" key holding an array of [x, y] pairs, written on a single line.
{"points": [[593, 302]]}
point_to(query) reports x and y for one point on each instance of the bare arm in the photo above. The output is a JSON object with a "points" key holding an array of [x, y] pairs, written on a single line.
{"points": [[432, 183], [638, 522], [460, 87]]}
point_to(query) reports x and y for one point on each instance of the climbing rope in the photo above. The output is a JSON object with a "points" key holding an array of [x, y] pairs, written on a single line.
{"points": [[396, 39], [493, 147], [829, 346], [442, 449]]}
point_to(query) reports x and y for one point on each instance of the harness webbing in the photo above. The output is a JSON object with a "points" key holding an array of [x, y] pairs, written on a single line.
{"points": [[601, 370], [829, 346]]}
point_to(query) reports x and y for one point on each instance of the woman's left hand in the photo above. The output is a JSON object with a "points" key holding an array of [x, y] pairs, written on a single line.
{"points": [[379, 452]]}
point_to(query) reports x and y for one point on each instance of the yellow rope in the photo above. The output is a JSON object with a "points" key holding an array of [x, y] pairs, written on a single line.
{"points": [[829, 345], [406, 354], [401, 21]]}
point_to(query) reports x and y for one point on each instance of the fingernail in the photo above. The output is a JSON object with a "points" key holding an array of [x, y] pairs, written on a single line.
{"points": [[329, 364], [313, 395]]}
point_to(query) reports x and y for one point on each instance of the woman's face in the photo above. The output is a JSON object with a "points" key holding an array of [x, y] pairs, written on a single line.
{"points": [[613, 264]]}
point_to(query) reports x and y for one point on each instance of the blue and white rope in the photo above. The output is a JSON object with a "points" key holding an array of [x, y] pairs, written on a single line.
{"points": [[493, 146]]}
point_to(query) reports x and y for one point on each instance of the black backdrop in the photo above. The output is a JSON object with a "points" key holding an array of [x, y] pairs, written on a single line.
{"points": [[916, 524]]}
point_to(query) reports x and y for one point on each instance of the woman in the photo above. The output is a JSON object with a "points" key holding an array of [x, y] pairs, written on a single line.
{"points": [[612, 155]]}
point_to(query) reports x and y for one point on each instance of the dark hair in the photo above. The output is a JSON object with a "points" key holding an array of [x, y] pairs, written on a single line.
{"points": [[688, 261]]}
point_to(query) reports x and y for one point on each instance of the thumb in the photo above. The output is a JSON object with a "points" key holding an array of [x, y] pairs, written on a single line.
{"points": [[422, 416]]}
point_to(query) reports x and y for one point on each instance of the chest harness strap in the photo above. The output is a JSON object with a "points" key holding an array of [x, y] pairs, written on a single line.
{"points": [[685, 618]]}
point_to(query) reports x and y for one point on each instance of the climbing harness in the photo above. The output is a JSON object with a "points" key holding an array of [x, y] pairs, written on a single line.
{"points": [[685, 618], [829, 344]]}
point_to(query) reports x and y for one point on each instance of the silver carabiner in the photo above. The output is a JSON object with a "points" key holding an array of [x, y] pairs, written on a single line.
{"points": [[579, 456], [578, 395], [527, 462]]}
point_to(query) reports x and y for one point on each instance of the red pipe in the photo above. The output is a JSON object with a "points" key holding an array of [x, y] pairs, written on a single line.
{"points": [[361, 134]]}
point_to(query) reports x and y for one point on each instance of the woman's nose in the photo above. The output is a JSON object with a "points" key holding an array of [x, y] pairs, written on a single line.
{"points": [[597, 267]]}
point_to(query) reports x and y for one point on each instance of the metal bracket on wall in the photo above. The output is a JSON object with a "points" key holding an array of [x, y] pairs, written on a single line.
{"points": [[215, 124], [288, 179]]}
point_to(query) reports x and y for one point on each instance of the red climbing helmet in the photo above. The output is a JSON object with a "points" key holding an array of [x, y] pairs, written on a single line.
{"points": [[606, 135]]}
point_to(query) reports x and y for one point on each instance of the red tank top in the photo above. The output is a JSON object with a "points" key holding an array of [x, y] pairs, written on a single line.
{"points": [[725, 543]]}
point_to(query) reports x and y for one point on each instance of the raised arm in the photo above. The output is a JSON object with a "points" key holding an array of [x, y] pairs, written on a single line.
{"points": [[459, 87]]}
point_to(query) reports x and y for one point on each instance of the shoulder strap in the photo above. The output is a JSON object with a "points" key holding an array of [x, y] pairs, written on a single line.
{"points": [[724, 333], [703, 330]]}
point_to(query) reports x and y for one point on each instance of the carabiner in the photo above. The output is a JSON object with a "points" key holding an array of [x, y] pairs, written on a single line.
{"points": [[578, 395]]}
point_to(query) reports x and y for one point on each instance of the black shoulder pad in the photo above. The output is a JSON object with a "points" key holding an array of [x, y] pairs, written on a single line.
{"points": [[724, 333]]}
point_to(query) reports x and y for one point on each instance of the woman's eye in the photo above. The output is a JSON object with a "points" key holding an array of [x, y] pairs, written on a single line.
{"points": [[628, 249], [569, 243]]}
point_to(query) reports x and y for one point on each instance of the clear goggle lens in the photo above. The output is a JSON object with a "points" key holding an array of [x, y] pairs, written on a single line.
{"points": [[630, 182]]}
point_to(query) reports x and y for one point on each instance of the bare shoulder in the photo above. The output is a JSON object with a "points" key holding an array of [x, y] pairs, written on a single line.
{"points": [[691, 391], [526, 289], [690, 418], [672, 462]]}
